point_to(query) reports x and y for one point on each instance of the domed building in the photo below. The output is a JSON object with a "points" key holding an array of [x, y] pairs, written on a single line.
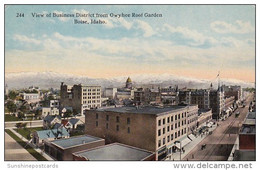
{"points": [[128, 83]]}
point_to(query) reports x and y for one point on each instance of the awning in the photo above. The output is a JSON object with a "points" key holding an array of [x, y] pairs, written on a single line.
{"points": [[192, 137], [184, 142]]}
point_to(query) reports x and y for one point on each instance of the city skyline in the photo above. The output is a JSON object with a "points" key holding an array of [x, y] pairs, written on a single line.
{"points": [[182, 42]]}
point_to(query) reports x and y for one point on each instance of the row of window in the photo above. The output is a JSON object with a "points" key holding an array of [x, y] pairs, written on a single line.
{"points": [[170, 118], [171, 137], [91, 101], [117, 119], [84, 94], [93, 97], [117, 127], [91, 89], [169, 128]]}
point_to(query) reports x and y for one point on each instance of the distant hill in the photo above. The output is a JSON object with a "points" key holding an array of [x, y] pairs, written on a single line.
{"points": [[51, 79]]}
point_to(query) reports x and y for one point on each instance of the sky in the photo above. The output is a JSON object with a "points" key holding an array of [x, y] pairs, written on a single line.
{"points": [[194, 41]]}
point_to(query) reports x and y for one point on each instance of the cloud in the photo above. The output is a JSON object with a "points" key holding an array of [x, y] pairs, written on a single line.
{"points": [[25, 39], [145, 27], [239, 27], [197, 38]]}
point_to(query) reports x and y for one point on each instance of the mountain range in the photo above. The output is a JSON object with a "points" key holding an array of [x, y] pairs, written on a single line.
{"points": [[46, 80]]}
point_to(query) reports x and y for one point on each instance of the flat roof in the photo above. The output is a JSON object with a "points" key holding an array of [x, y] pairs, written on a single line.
{"points": [[74, 141], [115, 151], [143, 110], [251, 115], [244, 155]]}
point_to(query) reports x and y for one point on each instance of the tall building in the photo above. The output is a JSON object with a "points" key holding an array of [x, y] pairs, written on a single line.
{"points": [[145, 96], [217, 103], [80, 97], [152, 128]]}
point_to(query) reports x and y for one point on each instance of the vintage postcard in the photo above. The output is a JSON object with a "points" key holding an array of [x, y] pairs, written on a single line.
{"points": [[130, 83]]}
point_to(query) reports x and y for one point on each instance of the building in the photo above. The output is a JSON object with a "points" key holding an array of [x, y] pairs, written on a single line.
{"points": [[146, 96], [49, 111], [205, 116], [217, 103], [39, 136], [110, 92], [151, 128], [246, 148], [80, 97], [54, 103], [229, 105], [51, 120], [233, 91], [114, 152], [199, 97], [6, 90], [72, 123], [62, 149], [30, 97], [169, 95]]}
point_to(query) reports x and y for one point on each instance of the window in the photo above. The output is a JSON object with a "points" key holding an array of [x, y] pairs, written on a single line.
{"points": [[178, 133], [107, 117], [182, 122], [171, 136], [159, 122], [179, 116], [182, 115], [175, 134], [175, 125], [182, 132], [168, 138], [163, 141], [168, 128], [159, 143], [106, 125], [159, 132], [117, 127], [171, 118], [128, 130], [96, 116], [175, 117], [128, 120], [163, 121], [117, 119], [163, 130], [171, 127], [168, 120], [96, 123], [179, 124]]}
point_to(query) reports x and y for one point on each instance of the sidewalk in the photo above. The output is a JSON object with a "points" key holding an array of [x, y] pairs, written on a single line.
{"points": [[36, 149], [190, 146]]}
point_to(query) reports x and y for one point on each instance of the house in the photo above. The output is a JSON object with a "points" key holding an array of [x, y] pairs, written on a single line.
{"points": [[39, 136], [72, 123], [49, 111], [51, 120]]}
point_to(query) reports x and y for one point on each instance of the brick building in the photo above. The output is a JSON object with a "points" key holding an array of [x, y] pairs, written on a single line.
{"points": [[151, 128]]}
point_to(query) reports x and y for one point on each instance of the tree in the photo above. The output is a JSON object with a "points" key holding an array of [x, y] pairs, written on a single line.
{"points": [[67, 114], [20, 115], [75, 112], [11, 106], [12, 95]]}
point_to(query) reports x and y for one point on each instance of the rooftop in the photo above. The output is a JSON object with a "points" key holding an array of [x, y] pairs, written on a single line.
{"points": [[74, 141], [251, 115], [115, 151], [52, 133], [244, 155], [143, 110]]}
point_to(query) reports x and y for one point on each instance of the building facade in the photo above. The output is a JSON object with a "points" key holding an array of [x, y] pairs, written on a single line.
{"points": [[153, 128], [80, 97]]}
